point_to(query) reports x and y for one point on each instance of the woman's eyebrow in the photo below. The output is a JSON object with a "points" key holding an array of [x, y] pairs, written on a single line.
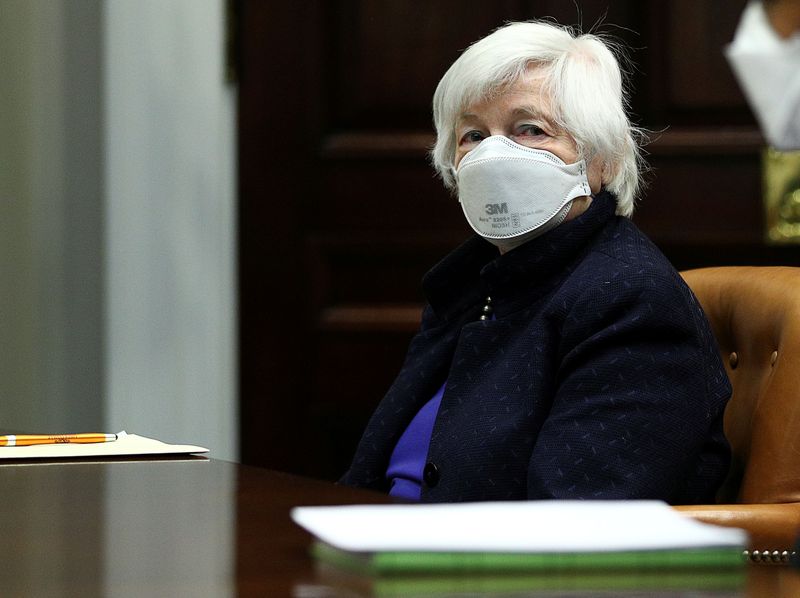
{"points": [[531, 112], [468, 116], [469, 119]]}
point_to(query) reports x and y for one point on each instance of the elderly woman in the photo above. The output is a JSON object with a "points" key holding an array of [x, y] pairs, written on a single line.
{"points": [[560, 354]]}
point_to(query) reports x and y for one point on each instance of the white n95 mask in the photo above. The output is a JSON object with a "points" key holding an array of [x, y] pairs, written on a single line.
{"points": [[511, 193]]}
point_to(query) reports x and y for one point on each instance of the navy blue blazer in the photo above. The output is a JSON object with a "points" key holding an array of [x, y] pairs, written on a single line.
{"points": [[598, 379]]}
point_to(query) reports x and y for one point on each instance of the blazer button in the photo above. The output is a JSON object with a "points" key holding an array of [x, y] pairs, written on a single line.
{"points": [[430, 475]]}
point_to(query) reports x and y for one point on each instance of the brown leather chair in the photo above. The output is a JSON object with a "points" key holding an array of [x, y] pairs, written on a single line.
{"points": [[755, 314]]}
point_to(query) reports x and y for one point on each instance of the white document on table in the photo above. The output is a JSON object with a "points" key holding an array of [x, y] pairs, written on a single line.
{"points": [[125, 445], [529, 526]]}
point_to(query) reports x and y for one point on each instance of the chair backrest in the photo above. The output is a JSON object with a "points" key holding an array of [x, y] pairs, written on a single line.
{"points": [[755, 315]]}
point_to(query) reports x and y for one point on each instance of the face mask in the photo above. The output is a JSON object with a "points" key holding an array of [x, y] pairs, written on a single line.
{"points": [[511, 193], [768, 69]]}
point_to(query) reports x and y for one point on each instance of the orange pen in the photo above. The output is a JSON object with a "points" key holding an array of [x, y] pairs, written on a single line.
{"points": [[31, 439]]}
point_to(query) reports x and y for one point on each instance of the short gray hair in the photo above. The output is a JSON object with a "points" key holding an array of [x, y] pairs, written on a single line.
{"points": [[583, 80]]}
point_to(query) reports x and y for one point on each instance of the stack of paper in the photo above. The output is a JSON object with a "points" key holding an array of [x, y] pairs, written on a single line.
{"points": [[524, 543], [126, 445]]}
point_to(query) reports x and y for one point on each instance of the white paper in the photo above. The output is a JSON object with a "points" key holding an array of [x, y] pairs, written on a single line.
{"points": [[125, 445], [531, 526]]}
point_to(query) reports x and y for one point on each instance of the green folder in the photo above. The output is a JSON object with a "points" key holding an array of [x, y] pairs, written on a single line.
{"points": [[390, 574], [387, 563]]}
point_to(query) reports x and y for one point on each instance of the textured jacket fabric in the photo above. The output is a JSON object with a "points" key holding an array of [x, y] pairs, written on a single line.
{"points": [[598, 379]]}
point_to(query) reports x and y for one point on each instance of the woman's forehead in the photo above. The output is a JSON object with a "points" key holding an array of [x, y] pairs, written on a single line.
{"points": [[524, 97]]}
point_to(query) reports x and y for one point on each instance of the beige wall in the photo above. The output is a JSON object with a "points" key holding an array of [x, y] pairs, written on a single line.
{"points": [[51, 279]]}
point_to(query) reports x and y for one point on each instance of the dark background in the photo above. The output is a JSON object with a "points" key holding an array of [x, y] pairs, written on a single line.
{"points": [[340, 213]]}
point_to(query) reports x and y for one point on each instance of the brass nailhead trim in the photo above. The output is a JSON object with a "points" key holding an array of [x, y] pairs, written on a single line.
{"points": [[773, 358], [733, 360], [769, 556]]}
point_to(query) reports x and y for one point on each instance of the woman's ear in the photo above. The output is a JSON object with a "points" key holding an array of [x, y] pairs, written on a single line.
{"points": [[605, 174], [597, 174]]}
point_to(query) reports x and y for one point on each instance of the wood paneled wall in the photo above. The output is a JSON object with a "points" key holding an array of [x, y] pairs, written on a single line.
{"points": [[340, 214]]}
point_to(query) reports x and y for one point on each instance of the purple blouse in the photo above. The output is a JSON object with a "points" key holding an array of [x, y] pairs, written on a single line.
{"points": [[408, 458]]}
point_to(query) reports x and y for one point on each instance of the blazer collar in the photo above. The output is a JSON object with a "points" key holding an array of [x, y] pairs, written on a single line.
{"points": [[475, 269]]}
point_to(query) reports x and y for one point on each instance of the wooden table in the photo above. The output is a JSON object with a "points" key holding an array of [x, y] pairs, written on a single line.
{"points": [[181, 528]]}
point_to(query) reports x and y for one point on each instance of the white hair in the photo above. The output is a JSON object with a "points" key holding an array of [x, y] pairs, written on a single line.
{"points": [[582, 79]]}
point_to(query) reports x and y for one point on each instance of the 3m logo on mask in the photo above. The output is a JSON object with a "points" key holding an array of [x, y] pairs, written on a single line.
{"points": [[496, 208]]}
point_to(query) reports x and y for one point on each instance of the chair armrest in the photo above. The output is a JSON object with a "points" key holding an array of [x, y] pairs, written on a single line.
{"points": [[772, 527]]}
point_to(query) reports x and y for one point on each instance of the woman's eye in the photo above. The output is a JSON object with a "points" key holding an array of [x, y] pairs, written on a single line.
{"points": [[530, 131], [472, 137]]}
